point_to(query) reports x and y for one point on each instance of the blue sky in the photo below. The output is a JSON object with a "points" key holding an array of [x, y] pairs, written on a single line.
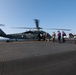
{"points": [[51, 14]]}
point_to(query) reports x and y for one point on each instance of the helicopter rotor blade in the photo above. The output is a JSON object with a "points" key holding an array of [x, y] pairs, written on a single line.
{"points": [[23, 28], [2, 25], [59, 29], [37, 24], [41, 28]]}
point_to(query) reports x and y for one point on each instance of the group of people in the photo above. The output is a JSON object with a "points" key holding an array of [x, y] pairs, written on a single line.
{"points": [[60, 36]]}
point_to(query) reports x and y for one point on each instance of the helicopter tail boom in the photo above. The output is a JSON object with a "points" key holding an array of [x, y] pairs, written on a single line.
{"points": [[2, 33]]}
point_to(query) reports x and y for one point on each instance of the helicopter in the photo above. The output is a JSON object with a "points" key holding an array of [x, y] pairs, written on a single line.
{"points": [[37, 34]]}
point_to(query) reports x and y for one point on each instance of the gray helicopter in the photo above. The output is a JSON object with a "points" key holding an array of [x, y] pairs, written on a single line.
{"points": [[36, 34]]}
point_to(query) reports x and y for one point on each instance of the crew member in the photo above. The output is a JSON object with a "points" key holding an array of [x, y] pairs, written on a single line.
{"points": [[39, 36], [59, 36], [63, 38], [54, 36]]}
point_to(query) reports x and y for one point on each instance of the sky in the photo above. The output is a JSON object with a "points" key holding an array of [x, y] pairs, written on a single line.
{"points": [[50, 13]]}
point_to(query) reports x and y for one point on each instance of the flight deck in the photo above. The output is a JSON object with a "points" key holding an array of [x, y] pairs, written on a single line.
{"points": [[37, 58]]}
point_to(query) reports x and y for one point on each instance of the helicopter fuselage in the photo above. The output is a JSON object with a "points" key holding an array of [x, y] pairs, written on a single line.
{"points": [[39, 35]]}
